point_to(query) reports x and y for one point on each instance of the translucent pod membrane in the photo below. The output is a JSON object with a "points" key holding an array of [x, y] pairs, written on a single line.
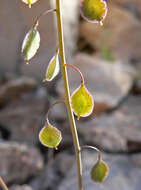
{"points": [[53, 68], [29, 2], [99, 171], [93, 11], [30, 44], [50, 136], [82, 102]]}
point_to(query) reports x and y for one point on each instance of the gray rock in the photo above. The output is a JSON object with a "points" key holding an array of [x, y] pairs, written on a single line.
{"points": [[136, 158], [116, 132], [23, 117], [116, 35], [13, 89], [19, 162], [132, 5], [19, 19], [108, 83], [58, 112], [137, 87], [20, 187], [123, 174], [53, 172]]}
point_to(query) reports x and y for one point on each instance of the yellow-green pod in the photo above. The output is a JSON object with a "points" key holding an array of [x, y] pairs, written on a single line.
{"points": [[50, 136], [99, 171], [94, 10], [53, 68], [82, 102], [30, 44]]}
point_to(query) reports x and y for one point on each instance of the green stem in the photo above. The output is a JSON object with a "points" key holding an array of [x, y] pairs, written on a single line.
{"points": [[67, 94]]}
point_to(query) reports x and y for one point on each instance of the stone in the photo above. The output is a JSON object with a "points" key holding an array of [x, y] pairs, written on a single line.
{"points": [[66, 162], [136, 158], [120, 2], [20, 187], [137, 87], [23, 117], [14, 88], [137, 4], [120, 34], [54, 171], [108, 83], [119, 131], [132, 5], [123, 173], [19, 162], [19, 19], [58, 112]]}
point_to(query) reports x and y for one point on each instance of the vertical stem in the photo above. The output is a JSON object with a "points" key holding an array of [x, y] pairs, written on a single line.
{"points": [[67, 94], [3, 185]]}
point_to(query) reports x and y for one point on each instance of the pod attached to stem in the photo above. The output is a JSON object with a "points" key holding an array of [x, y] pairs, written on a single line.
{"points": [[81, 100], [100, 170], [49, 135]]}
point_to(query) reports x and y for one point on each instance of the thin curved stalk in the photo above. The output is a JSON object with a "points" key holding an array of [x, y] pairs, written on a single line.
{"points": [[41, 15], [67, 94], [94, 148], [57, 102], [78, 71]]}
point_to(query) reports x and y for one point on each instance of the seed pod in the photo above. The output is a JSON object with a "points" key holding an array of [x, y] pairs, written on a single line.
{"points": [[99, 172], [29, 2], [94, 10], [82, 102], [53, 68], [30, 44], [50, 136]]}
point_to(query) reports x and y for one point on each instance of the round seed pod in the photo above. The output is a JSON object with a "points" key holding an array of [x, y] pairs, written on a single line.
{"points": [[94, 11], [50, 136], [99, 171], [82, 102]]}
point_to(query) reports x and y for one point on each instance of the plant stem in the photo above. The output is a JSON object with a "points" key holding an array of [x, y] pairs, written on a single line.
{"points": [[67, 94], [3, 185]]}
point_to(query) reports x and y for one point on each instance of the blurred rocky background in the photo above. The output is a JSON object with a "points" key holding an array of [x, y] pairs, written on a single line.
{"points": [[110, 59]]}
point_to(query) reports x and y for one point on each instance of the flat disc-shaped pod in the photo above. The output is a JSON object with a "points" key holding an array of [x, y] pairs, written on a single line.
{"points": [[29, 2], [94, 10], [50, 136], [82, 102], [53, 68], [30, 44], [99, 171]]}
